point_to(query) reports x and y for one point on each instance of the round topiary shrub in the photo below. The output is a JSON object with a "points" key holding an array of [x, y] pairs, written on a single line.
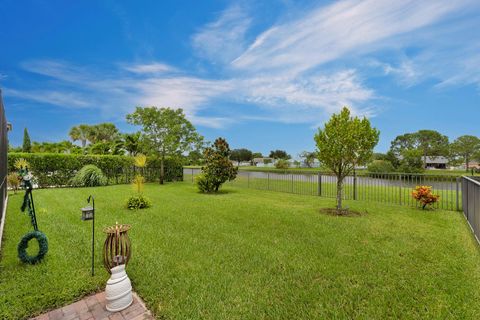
{"points": [[138, 202], [89, 176]]}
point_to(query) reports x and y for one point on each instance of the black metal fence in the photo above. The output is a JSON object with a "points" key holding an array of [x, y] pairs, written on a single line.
{"points": [[3, 157], [151, 174], [471, 203], [395, 188]]}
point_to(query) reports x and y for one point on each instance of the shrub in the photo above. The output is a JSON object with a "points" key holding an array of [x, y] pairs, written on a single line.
{"points": [[13, 181], [282, 164], [89, 176], [138, 202], [381, 166], [218, 168], [424, 195], [53, 169], [203, 184]]}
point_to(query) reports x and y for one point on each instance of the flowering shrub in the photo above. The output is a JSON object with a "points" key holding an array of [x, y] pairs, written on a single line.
{"points": [[424, 195]]}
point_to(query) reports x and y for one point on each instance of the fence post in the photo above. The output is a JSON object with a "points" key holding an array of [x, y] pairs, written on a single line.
{"points": [[354, 185], [268, 180], [457, 193], [292, 182], [400, 189], [192, 175], [248, 179], [319, 184]]}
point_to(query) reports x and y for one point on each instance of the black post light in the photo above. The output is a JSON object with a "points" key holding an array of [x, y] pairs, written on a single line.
{"points": [[88, 213]]}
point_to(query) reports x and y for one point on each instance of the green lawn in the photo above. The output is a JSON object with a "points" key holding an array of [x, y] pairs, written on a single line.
{"points": [[250, 254]]}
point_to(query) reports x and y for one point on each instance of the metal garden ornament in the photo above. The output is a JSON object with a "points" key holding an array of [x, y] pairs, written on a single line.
{"points": [[29, 206]]}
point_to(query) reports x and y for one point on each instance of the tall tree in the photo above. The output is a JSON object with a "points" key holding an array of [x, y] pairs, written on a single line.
{"points": [[80, 133], [241, 155], [343, 143], [167, 132], [308, 158], [27, 144], [465, 147], [429, 142], [279, 154]]}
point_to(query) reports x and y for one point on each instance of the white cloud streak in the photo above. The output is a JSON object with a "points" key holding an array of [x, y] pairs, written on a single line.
{"points": [[345, 27], [224, 39], [149, 68]]}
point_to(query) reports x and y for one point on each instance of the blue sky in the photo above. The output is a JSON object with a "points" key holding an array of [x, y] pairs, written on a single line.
{"points": [[263, 74]]}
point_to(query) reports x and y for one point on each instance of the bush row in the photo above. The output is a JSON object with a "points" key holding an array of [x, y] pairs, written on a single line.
{"points": [[53, 169]]}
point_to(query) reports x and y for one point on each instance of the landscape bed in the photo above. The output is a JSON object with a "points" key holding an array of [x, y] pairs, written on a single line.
{"points": [[249, 254]]}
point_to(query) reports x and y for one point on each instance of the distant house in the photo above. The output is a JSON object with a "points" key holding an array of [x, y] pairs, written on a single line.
{"points": [[438, 162], [473, 165], [263, 162]]}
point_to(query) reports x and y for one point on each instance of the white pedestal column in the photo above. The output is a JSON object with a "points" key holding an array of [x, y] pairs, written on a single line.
{"points": [[118, 292]]}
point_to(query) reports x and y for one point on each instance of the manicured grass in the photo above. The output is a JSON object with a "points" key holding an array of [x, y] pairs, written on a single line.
{"points": [[250, 254]]}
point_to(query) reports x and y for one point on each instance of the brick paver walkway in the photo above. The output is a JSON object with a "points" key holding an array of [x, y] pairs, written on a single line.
{"points": [[93, 308]]}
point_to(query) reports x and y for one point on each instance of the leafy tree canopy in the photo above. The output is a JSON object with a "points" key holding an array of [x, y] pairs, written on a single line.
{"points": [[308, 158], [167, 132], [465, 147], [343, 143], [241, 155], [279, 154], [428, 142]]}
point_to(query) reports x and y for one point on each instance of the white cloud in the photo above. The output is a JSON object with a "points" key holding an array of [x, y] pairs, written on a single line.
{"points": [[224, 39], [302, 97], [66, 99], [332, 32], [154, 67], [116, 93]]}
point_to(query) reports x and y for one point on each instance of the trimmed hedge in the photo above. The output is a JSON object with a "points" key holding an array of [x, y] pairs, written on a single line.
{"points": [[54, 169]]}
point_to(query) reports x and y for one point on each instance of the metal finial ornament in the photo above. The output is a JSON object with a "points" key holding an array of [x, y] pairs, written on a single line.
{"points": [[117, 247]]}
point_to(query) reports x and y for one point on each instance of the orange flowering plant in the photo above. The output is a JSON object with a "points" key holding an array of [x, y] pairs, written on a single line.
{"points": [[424, 195]]}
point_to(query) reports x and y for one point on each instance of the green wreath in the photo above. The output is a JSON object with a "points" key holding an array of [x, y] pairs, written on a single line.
{"points": [[23, 245]]}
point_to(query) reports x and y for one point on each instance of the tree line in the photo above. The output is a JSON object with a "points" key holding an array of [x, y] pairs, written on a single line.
{"points": [[409, 152]]}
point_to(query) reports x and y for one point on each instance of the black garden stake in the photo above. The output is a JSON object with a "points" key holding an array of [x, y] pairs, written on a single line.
{"points": [[88, 213]]}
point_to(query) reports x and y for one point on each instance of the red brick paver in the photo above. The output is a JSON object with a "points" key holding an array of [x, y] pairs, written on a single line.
{"points": [[93, 308]]}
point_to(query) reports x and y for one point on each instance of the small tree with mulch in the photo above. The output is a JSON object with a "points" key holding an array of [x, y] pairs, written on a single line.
{"points": [[344, 143]]}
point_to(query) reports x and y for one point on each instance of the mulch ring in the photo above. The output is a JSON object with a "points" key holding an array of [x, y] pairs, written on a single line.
{"points": [[341, 213]]}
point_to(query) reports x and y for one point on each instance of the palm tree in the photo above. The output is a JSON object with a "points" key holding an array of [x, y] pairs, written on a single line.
{"points": [[80, 133], [105, 132], [132, 143]]}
